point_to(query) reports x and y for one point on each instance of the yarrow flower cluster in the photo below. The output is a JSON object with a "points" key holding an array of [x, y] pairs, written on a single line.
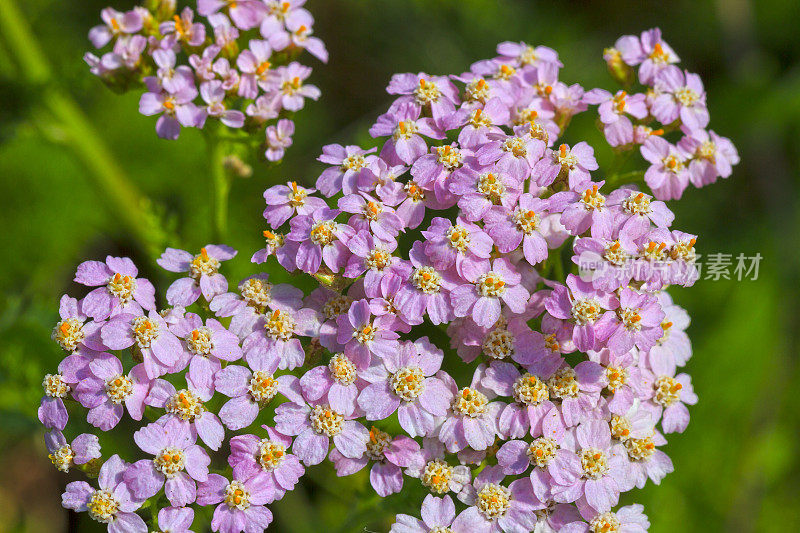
{"points": [[226, 61], [470, 223]]}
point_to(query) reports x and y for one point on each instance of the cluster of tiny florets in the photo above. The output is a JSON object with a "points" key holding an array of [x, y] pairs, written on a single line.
{"points": [[227, 61], [473, 218]]}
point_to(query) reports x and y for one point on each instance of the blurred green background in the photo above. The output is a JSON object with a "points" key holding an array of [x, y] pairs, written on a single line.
{"points": [[737, 466]]}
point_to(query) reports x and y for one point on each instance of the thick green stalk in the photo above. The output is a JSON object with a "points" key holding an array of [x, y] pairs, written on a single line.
{"points": [[126, 202], [222, 185]]}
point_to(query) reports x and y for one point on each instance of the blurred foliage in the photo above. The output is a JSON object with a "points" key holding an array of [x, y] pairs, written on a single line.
{"points": [[737, 465]]}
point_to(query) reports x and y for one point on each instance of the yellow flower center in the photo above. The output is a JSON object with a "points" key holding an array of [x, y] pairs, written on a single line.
{"points": [[527, 221], [336, 306], [684, 250], [280, 325], [530, 390], [427, 280], [620, 428], [637, 204], [274, 240], [585, 310], [477, 91], [616, 376], [564, 384], [614, 254], [491, 284], [594, 463], [499, 343], [405, 129], [62, 458], [618, 102], [263, 387], [668, 391], [707, 150], [123, 287], [491, 186], [119, 388], [686, 96], [68, 333], [145, 331], [426, 92], [377, 443], [378, 259], [102, 506], [592, 199], [505, 72], [458, 238], [365, 334], [436, 476], [354, 162], [654, 251], [470, 402], [237, 496], [516, 146], [541, 451], [322, 233], [203, 264], [631, 318], [605, 523], [449, 157], [325, 420], [493, 501], [478, 119], [185, 404], [408, 383], [257, 293], [199, 341], [566, 158], [640, 449], [271, 454], [372, 210], [659, 55], [342, 369], [297, 196], [170, 461], [54, 386], [414, 191], [291, 86], [672, 164]]}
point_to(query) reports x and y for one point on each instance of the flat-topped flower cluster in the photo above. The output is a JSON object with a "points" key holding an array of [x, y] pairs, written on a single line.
{"points": [[232, 62], [468, 224]]}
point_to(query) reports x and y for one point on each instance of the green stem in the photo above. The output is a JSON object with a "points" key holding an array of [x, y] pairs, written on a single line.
{"points": [[620, 158], [615, 180], [222, 186], [125, 200]]}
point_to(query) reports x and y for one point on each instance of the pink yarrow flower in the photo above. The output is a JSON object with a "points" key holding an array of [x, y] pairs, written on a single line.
{"points": [[107, 391], [241, 503], [390, 455], [251, 389], [495, 508], [268, 458], [158, 347], [487, 288], [204, 277], [118, 289], [112, 504], [407, 382], [177, 463], [362, 336], [315, 424]]}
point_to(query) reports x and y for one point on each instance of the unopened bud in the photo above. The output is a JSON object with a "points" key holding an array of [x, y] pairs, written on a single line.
{"points": [[236, 167], [619, 70]]}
